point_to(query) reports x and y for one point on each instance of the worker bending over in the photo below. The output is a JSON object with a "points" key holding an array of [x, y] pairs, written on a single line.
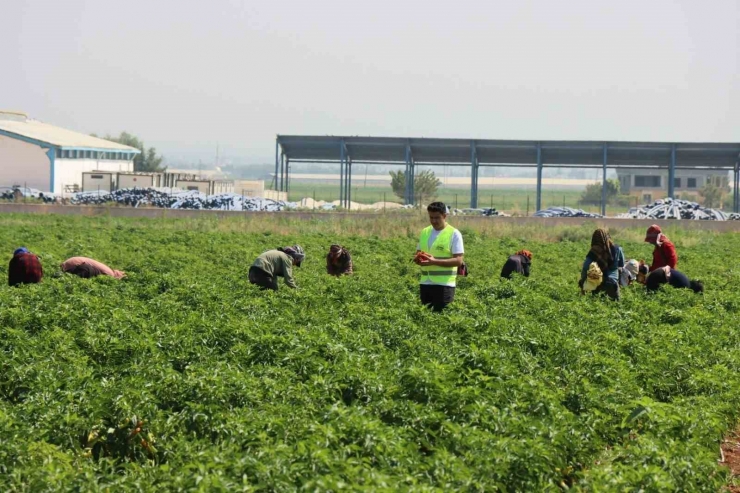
{"points": [[439, 253], [86, 268], [273, 264], [338, 261], [664, 253], [24, 268], [519, 263], [672, 277], [609, 258]]}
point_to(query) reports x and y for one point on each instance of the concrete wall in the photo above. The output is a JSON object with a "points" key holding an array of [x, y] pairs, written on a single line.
{"points": [[22, 164], [69, 171], [720, 226]]}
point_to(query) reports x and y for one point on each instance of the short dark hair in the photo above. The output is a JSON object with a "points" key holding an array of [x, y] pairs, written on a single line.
{"points": [[437, 207], [697, 286]]}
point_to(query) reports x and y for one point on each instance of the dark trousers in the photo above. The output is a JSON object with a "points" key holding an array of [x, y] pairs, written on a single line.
{"points": [[262, 279], [436, 297], [611, 289]]}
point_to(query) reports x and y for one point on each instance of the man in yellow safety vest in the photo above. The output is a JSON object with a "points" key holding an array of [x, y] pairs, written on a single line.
{"points": [[439, 253]]}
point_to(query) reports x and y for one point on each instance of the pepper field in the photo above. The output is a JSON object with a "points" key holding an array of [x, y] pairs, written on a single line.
{"points": [[184, 377]]}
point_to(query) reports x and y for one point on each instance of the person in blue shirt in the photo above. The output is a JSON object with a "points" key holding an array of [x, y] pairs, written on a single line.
{"points": [[610, 259]]}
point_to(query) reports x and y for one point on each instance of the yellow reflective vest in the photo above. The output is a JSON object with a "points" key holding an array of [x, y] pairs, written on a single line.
{"points": [[441, 249]]}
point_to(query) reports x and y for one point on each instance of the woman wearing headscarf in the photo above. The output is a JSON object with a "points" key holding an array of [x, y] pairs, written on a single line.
{"points": [[86, 268], [338, 261], [609, 258], [677, 279], [664, 253], [273, 264], [519, 263], [24, 268], [629, 273]]}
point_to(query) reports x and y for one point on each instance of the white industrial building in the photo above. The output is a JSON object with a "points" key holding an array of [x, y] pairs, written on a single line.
{"points": [[52, 159]]}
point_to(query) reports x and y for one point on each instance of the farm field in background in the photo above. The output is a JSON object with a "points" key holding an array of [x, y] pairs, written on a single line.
{"points": [[503, 199], [522, 385]]}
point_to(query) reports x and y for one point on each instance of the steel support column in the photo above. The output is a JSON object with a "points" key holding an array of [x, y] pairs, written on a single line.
{"points": [[409, 178], [672, 172], [287, 176], [277, 161], [282, 171], [473, 176], [539, 176], [412, 183], [348, 187], [342, 159], [603, 183], [736, 194]]}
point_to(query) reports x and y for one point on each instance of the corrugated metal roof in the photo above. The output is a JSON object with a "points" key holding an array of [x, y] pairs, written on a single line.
{"points": [[58, 137], [507, 152]]}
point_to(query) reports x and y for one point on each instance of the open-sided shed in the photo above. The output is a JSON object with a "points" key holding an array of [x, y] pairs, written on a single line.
{"points": [[475, 153]]}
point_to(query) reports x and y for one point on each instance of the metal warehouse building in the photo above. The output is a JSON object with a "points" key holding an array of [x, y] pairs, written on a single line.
{"points": [[53, 159]]}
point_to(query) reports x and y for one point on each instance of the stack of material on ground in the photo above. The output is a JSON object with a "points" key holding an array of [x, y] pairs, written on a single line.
{"points": [[24, 193], [309, 203], [478, 212], [177, 199], [493, 212], [678, 209], [564, 212]]}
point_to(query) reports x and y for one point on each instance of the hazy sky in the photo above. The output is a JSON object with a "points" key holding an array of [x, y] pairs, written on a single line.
{"points": [[185, 76]]}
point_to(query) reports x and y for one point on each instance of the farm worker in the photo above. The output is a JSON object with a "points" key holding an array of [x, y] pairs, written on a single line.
{"points": [[667, 275], [338, 261], [664, 252], [519, 263], [439, 253], [86, 268], [609, 258], [272, 264], [24, 268], [628, 275], [642, 272]]}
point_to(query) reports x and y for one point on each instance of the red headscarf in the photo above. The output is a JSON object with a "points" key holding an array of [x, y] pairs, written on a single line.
{"points": [[653, 234], [526, 253]]}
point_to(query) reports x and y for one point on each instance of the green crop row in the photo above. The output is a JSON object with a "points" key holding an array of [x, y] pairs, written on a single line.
{"points": [[184, 377]]}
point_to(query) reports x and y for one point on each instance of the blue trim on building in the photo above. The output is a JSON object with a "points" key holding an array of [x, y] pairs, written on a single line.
{"points": [[28, 140], [52, 156], [47, 145], [98, 149]]}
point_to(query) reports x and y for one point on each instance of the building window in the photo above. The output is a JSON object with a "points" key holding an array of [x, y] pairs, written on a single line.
{"points": [[677, 182], [647, 181], [647, 198], [691, 183]]}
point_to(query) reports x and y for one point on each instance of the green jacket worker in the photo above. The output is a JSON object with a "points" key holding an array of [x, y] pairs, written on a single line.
{"points": [[439, 253], [273, 264]]}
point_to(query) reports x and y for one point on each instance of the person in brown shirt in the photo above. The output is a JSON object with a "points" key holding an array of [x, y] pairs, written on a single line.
{"points": [[338, 261], [24, 268]]}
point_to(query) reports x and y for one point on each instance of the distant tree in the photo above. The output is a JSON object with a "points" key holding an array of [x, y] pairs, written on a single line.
{"points": [[398, 183], [714, 190], [592, 193], [146, 160], [425, 184]]}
